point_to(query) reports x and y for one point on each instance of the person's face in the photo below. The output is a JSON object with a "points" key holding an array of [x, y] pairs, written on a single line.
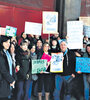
{"points": [[6, 44], [39, 43], [24, 35], [88, 49], [46, 48], [24, 47], [63, 46], [56, 35], [12, 49], [54, 42], [33, 49]]}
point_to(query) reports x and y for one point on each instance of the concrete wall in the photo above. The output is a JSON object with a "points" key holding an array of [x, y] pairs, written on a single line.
{"points": [[72, 12]]}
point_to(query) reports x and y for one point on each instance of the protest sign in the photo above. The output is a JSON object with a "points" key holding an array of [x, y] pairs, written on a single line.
{"points": [[50, 22], [56, 63], [83, 64], [2, 31], [86, 31], [75, 34], [86, 27], [86, 20], [38, 66], [10, 31], [33, 28]]}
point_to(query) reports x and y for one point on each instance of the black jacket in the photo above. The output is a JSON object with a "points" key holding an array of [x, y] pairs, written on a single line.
{"points": [[5, 77], [69, 63], [23, 60]]}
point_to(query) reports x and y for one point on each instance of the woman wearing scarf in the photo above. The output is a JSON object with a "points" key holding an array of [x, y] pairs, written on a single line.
{"points": [[7, 72]]}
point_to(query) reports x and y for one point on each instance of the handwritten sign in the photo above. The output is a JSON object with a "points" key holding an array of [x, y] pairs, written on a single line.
{"points": [[75, 34], [50, 22], [2, 31], [10, 31], [83, 64], [56, 63], [33, 28], [38, 66], [86, 31]]}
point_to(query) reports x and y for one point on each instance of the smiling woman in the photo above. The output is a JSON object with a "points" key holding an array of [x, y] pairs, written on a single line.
{"points": [[7, 73]]}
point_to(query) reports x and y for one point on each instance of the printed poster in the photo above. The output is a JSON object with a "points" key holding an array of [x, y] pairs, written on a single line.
{"points": [[38, 66], [75, 34], [10, 31], [56, 63], [50, 22], [83, 64], [33, 28]]}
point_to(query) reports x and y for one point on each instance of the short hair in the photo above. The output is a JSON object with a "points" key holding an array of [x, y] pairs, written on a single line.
{"points": [[23, 42]]}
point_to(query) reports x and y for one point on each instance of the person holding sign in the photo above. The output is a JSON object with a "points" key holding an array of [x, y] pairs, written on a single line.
{"points": [[86, 77], [68, 72], [44, 78]]}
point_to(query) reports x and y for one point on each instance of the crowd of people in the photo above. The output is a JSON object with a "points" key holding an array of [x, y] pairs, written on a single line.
{"points": [[18, 83]]}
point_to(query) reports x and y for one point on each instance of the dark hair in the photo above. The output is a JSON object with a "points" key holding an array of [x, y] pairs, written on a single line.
{"points": [[3, 39], [39, 40], [23, 42], [88, 45], [31, 45], [22, 35], [10, 46]]}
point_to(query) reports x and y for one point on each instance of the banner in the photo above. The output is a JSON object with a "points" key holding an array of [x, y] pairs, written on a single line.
{"points": [[75, 34], [83, 64], [56, 63], [50, 22], [2, 31], [38, 66], [10, 31], [33, 28]]}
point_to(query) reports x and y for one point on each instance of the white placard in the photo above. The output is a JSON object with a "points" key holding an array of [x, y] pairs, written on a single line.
{"points": [[75, 34], [56, 63], [2, 30], [50, 22], [33, 28]]}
